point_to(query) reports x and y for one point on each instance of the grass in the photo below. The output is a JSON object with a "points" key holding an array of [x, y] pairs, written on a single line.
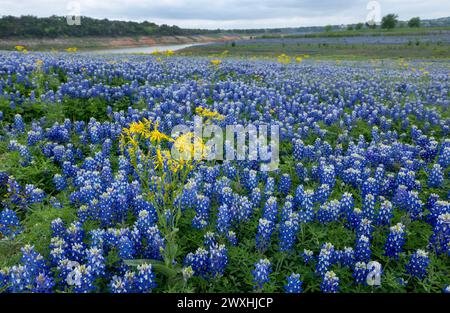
{"points": [[324, 51], [403, 31]]}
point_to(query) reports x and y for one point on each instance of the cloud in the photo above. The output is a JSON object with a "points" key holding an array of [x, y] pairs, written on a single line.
{"points": [[230, 13]]}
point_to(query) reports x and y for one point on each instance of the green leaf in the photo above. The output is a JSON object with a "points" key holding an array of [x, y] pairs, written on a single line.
{"points": [[158, 266]]}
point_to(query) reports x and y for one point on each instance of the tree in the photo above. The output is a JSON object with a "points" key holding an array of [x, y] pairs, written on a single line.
{"points": [[414, 22], [349, 27], [328, 28], [359, 26], [389, 21]]}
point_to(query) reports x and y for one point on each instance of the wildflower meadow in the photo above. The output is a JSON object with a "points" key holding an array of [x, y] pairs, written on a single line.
{"points": [[109, 185]]}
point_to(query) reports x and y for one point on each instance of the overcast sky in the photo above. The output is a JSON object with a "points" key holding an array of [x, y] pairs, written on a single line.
{"points": [[232, 13]]}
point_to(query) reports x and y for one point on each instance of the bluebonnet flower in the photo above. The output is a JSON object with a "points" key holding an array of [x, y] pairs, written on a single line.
{"points": [[229, 170], [35, 195], [121, 284], [95, 261], [385, 214], [327, 175], [9, 224], [263, 268], [288, 234], [263, 236], [255, 197], [231, 237], [301, 171], [299, 195], [199, 261], [145, 278], [58, 228], [328, 212], [440, 239], [218, 259], [43, 284], [252, 180], [395, 241], [307, 255], [325, 259], [347, 256], [270, 186], [365, 228], [287, 210], [346, 205], [294, 284], [362, 249], [155, 243], [125, 247], [19, 125], [146, 219], [355, 217], [202, 208], [226, 196], [33, 137], [270, 209], [223, 219], [436, 177], [322, 193], [330, 283], [360, 273], [370, 186], [209, 239], [444, 156], [55, 203], [298, 149], [414, 205], [368, 208], [285, 184], [306, 207], [418, 263], [60, 182]]}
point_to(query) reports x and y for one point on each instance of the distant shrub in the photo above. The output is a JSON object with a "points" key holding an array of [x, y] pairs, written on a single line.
{"points": [[414, 22]]}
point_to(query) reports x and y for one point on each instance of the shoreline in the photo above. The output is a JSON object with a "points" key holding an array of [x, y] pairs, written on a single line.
{"points": [[106, 43]]}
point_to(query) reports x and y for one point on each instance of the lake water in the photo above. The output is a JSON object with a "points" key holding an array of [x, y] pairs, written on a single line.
{"points": [[146, 49]]}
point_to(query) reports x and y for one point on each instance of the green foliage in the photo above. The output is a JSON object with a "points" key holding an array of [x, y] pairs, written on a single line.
{"points": [[414, 22], [389, 21], [57, 26]]}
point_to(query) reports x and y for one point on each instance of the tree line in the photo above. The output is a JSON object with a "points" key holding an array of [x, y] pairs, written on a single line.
{"points": [[57, 26]]}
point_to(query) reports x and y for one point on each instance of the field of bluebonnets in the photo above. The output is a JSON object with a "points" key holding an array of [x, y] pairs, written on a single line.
{"points": [[93, 201]]}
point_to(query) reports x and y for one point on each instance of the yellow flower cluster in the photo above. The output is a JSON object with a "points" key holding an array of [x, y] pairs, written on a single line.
{"points": [[284, 59], [21, 49], [166, 53], [72, 49], [187, 146], [216, 62], [204, 112]]}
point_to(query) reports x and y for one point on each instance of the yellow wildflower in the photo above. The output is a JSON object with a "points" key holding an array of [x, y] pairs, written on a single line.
{"points": [[156, 136], [284, 59], [208, 113], [216, 62]]}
